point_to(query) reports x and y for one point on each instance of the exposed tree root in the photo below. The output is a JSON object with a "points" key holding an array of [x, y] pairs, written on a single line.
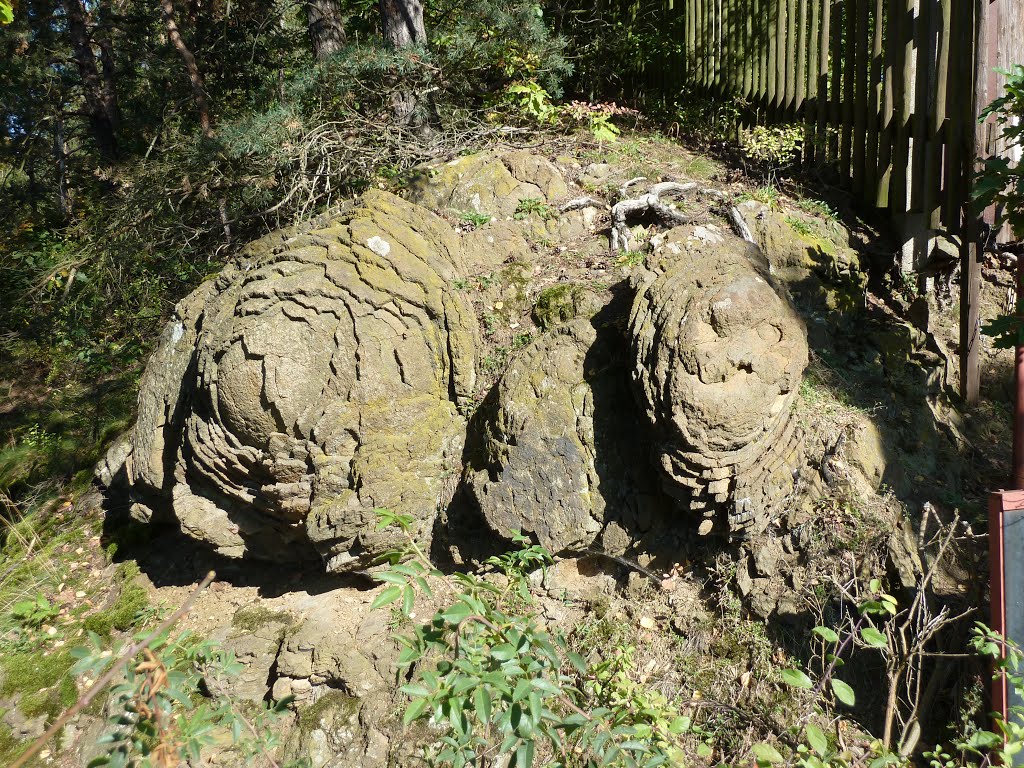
{"points": [[667, 214]]}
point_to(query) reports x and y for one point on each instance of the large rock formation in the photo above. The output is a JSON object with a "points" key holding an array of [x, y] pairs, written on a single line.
{"points": [[326, 373], [309, 385], [718, 355], [560, 455]]}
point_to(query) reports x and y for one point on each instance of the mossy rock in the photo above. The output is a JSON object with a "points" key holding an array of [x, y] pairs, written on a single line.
{"points": [[487, 182], [42, 684], [561, 303], [254, 617], [123, 614]]}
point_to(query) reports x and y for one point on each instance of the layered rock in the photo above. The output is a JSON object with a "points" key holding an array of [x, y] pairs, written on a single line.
{"points": [[560, 455], [718, 354], [811, 256], [492, 183], [307, 386]]}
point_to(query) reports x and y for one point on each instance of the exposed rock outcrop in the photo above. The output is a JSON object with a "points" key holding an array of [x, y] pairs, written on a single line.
{"points": [[561, 455], [307, 386], [326, 374], [718, 355], [488, 183]]}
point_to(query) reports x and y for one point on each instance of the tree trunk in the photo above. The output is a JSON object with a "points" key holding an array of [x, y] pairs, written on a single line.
{"points": [[326, 30], [100, 96], [195, 77], [60, 157], [402, 22], [402, 26]]}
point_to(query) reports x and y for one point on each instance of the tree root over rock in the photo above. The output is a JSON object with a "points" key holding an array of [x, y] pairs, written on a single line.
{"points": [[666, 213]]}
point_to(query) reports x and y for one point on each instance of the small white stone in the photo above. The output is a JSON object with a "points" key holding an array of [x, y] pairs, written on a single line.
{"points": [[379, 245]]}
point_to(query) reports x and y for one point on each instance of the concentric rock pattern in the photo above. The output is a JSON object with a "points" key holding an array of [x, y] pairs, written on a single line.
{"points": [[718, 355], [325, 375], [310, 385]]}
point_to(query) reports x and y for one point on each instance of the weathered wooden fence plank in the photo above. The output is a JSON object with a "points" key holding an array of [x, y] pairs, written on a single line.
{"points": [[813, 83], [849, 65], [871, 153], [801, 60], [790, 59], [835, 88], [821, 133], [859, 96]]}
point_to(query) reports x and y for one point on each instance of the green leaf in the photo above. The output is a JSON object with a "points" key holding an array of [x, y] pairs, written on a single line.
{"points": [[816, 738], [386, 597], [6, 13], [524, 755], [766, 754], [577, 661], [390, 577], [457, 613], [874, 638], [843, 692], [503, 652], [679, 725], [482, 704], [408, 599], [796, 678], [827, 634], [415, 690]]}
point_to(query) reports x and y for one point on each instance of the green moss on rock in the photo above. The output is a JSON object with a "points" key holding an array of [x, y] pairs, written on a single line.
{"points": [[561, 303], [254, 617], [43, 683], [123, 614]]}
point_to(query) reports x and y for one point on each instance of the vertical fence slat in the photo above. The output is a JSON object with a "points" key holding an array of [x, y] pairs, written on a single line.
{"points": [[871, 171], [701, 45], [888, 131], [771, 73], [849, 64], [730, 50], [813, 92], [801, 60], [821, 134], [958, 88], [860, 97], [791, 45], [902, 43], [749, 60], [717, 49], [780, 55], [925, 49], [933, 168], [690, 51], [763, 25], [835, 89]]}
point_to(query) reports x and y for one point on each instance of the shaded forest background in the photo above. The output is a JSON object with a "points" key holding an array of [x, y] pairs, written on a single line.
{"points": [[142, 143]]}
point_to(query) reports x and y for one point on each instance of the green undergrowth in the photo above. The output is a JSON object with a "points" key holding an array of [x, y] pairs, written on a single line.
{"points": [[124, 614], [59, 427], [40, 681]]}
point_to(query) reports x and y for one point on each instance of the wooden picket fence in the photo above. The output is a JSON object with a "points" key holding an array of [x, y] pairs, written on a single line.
{"points": [[883, 89]]}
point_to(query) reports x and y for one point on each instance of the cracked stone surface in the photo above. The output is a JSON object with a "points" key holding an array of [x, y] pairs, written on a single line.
{"points": [[718, 355], [308, 385]]}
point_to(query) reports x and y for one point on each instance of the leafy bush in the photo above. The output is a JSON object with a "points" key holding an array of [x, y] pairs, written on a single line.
{"points": [[171, 704], [1001, 182], [495, 682], [773, 148]]}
